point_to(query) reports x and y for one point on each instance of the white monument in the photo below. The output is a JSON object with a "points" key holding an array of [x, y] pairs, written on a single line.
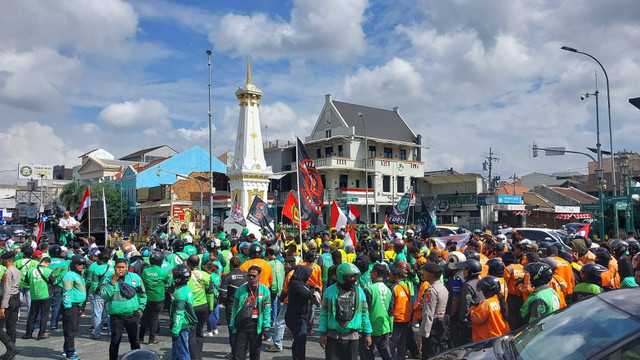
{"points": [[248, 174]]}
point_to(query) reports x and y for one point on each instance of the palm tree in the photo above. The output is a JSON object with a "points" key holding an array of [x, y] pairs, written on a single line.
{"points": [[71, 195]]}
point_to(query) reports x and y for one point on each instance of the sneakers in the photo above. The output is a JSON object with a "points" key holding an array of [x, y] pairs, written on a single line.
{"points": [[273, 348], [215, 332], [64, 352], [74, 357], [208, 334], [45, 336]]}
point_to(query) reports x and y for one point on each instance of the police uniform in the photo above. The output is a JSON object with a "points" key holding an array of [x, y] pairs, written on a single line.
{"points": [[434, 327]]}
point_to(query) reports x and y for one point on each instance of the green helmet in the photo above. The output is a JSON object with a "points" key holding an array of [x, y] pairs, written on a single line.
{"points": [[225, 244], [346, 269]]}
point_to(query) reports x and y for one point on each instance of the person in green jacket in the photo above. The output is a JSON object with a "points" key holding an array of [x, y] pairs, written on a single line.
{"points": [[178, 257], [126, 299], [156, 280], [74, 293], [100, 272], [277, 285], [182, 314], [40, 282], [59, 266], [250, 316], [543, 300], [339, 330], [379, 298], [24, 265], [202, 288]]}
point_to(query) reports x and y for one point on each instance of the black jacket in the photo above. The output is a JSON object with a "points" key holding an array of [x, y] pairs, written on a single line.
{"points": [[229, 284]]}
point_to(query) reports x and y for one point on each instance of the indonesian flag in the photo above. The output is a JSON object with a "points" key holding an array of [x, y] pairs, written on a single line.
{"points": [[350, 238], [85, 203], [584, 231], [387, 226], [338, 218], [43, 219], [353, 213]]}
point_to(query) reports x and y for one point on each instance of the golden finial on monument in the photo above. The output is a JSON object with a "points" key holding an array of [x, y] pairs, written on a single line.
{"points": [[248, 70]]}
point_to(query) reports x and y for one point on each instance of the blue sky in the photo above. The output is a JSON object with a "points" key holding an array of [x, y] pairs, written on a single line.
{"points": [[467, 75]]}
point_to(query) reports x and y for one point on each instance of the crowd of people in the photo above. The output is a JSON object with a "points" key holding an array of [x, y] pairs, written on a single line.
{"points": [[387, 295]]}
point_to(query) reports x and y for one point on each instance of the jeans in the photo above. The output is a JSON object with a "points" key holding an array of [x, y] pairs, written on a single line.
{"points": [[341, 349], [70, 319], [274, 311], [180, 349], [8, 336], [99, 314], [37, 305], [56, 299], [25, 297], [212, 322], [118, 325], [247, 335], [382, 344], [150, 319], [399, 339], [196, 336], [279, 326]]}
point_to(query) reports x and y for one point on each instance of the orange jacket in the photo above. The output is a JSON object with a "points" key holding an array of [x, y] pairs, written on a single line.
{"points": [[266, 275], [512, 273], [487, 320], [613, 269], [565, 271], [558, 284], [316, 274], [417, 306], [503, 288], [402, 309], [285, 289]]}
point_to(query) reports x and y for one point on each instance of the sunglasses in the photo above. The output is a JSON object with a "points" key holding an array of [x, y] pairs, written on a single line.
{"points": [[253, 276]]}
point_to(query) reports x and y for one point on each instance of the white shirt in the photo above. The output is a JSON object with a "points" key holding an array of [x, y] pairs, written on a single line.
{"points": [[65, 223]]}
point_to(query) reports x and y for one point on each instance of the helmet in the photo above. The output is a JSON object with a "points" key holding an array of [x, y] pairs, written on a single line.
{"points": [[181, 274], [161, 243], [210, 246], [55, 251], [203, 234], [243, 245], [188, 239], [77, 260], [184, 228], [496, 267], [172, 237], [501, 237], [346, 269], [177, 245], [618, 247], [398, 243], [634, 247], [472, 265], [254, 249], [472, 254], [156, 258], [454, 257], [489, 285], [540, 273], [145, 252], [275, 248], [140, 354], [592, 273], [553, 263], [509, 258], [225, 244]]}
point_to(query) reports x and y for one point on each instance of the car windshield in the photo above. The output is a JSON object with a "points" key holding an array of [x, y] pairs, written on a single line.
{"points": [[577, 333]]}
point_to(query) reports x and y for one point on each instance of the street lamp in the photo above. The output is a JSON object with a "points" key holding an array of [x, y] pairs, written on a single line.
{"points": [[366, 168], [210, 150], [613, 168], [601, 186], [624, 171]]}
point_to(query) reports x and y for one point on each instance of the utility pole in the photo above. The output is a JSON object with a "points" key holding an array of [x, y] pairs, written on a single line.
{"points": [[488, 165], [515, 178]]}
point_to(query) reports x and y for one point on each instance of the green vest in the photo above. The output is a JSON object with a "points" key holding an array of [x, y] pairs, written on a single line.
{"points": [[38, 285], [155, 280], [541, 303], [59, 268], [182, 313], [278, 276], [381, 295], [201, 287], [177, 258], [327, 262], [24, 265]]}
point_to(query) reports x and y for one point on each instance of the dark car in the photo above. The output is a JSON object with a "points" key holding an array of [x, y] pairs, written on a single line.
{"points": [[606, 326]]}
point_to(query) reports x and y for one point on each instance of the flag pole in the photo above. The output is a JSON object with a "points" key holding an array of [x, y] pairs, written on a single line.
{"points": [[89, 218], [299, 198]]}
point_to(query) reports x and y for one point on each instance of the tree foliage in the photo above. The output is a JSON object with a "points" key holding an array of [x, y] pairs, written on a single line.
{"points": [[72, 193]]}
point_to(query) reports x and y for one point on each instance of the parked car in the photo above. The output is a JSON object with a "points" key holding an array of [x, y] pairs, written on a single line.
{"points": [[450, 230], [539, 235], [604, 327]]}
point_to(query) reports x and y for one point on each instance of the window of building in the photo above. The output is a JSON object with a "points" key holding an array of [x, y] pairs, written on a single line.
{"points": [[324, 181], [402, 155], [400, 184], [357, 183], [387, 154], [340, 152], [318, 153], [328, 151], [369, 183], [372, 151], [344, 181], [327, 134], [386, 183]]}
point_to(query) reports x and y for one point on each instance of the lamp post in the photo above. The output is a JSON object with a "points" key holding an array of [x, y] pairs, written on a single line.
{"points": [[613, 168], [601, 186], [366, 168], [624, 171], [210, 150]]}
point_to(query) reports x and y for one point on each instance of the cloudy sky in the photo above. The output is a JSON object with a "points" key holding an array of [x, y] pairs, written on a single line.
{"points": [[468, 75]]}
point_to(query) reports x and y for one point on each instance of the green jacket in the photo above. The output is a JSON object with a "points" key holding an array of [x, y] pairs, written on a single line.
{"points": [[263, 304], [542, 302], [59, 268], [278, 276], [360, 321], [118, 304], [39, 284], [155, 279], [202, 288], [327, 262], [215, 280], [73, 289], [380, 312], [100, 273], [182, 313], [24, 265], [88, 273], [176, 258]]}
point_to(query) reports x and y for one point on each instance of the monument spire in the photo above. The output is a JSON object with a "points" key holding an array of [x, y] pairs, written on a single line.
{"points": [[248, 70]]}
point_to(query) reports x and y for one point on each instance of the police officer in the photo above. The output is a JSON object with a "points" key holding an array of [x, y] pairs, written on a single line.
{"points": [[434, 328], [10, 305]]}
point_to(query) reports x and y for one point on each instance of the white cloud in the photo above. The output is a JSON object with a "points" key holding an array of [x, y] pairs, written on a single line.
{"points": [[143, 113], [279, 121]]}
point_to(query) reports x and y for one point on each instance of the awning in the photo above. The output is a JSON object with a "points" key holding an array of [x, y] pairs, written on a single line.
{"points": [[522, 213], [577, 216]]}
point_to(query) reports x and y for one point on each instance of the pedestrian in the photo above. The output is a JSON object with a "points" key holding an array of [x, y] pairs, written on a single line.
{"points": [[434, 326], [250, 316], [283, 299], [74, 293], [277, 284], [98, 306], [182, 314], [228, 286], [469, 297], [401, 312], [126, 299], [59, 265], [543, 300], [156, 280], [40, 282], [213, 269], [379, 298], [25, 264], [203, 293], [10, 305], [513, 274], [296, 318], [489, 316]]}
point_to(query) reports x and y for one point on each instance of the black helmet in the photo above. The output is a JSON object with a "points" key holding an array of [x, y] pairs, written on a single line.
{"points": [[181, 274], [203, 234], [592, 273], [210, 246], [172, 237], [77, 260], [489, 285], [540, 273], [177, 245], [472, 254], [55, 251], [618, 247], [156, 258], [161, 243], [509, 258], [496, 267], [254, 249], [472, 265], [553, 263], [634, 246]]}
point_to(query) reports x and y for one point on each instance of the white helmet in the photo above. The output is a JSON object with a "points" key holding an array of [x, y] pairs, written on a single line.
{"points": [[188, 239], [501, 238], [454, 257]]}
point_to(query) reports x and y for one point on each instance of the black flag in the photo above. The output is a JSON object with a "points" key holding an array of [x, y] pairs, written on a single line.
{"points": [[311, 189], [427, 219], [261, 215]]}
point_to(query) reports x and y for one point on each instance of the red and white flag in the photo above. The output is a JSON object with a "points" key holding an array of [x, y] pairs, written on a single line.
{"points": [[353, 213], [387, 226], [584, 231], [85, 203], [350, 238], [338, 218]]}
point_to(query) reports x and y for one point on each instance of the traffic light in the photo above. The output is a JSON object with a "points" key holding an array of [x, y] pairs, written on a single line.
{"points": [[535, 150]]}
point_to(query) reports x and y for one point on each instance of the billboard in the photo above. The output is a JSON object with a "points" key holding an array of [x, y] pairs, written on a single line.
{"points": [[34, 171]]}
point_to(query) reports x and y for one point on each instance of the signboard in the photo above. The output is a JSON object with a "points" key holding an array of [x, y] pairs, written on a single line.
{"points": [[486, 200], [510, 199], [615, 199], [590, 207], [352, 199], [635, 190], [622, 206], [34, 171], [509, 207], [183, 213], [567, 209]]}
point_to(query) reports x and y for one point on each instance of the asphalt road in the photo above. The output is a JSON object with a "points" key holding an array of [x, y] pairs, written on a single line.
{"points": [[215, 347]]}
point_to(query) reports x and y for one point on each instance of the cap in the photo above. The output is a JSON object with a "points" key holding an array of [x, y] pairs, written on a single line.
{"points": [[8, 255], [38, 253], [533, 247], [135, 253], [433, 268]]}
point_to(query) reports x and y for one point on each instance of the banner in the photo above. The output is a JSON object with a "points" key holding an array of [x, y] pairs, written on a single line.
{"points": [[310, 189], [261, 215], [460, 240], [338, 218], [427, 219], [400, 211], [236, 212], [292, 211]]}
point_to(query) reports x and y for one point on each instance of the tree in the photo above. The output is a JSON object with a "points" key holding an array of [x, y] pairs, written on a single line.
{"points": [[71, 195], [115, 205]]}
